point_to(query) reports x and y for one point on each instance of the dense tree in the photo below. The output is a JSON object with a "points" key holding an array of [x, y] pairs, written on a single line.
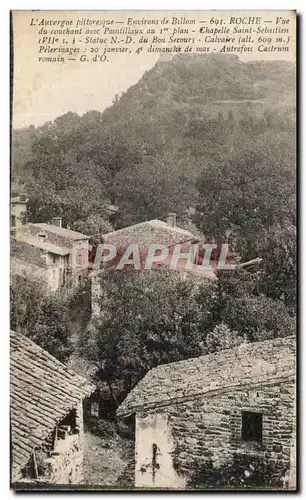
{"points": [[94, 226], [145, 152], [247, 195], [44, 318], [239, 304], [277, 278], [147, 318]]}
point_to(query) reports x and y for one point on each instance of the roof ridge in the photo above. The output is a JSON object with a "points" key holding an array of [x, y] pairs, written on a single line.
{"points": [[243, 345], [150, 222], [52, 228], [249, 361], [168, 401]]}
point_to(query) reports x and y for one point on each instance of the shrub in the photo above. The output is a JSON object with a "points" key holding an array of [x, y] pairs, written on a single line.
{"points": [[243, 472]]}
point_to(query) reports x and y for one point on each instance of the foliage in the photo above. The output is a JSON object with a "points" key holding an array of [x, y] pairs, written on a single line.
{"points": [[277, 278], [44, 318], [147, 318], [109, 428], [221, 337], [243, 472], [94, 226], [101, 428], [255, 192], [145, 152], [239, 304]]}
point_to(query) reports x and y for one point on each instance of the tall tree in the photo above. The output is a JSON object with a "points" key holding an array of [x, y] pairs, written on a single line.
{"points": [[44, 318]]}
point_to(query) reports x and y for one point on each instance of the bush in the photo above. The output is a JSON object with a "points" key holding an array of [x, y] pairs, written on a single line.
{"points": [[101, 428], [243, 472]]}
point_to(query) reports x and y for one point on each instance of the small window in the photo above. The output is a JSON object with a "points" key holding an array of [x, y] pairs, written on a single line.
{"points": [[54, 259], [80, 258], [13, 220], [251, 426]]}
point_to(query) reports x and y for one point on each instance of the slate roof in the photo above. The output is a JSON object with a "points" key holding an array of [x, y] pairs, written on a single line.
{"points": [[27, 270], [26, 253], [149, 232], [34, 241], [42, 392], [16, 200], [253, 363], [60, 231]]}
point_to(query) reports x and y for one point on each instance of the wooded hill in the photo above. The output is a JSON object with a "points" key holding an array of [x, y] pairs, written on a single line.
{"points": [[146, 151]]}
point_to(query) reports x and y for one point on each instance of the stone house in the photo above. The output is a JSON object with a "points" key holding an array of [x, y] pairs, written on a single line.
{"points": [[18, 210], [64, 253], [144, 234], [46, 417], [236, 402]]}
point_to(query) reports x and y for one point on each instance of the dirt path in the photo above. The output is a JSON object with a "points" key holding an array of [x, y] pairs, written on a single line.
{"points": [[104, 460]]}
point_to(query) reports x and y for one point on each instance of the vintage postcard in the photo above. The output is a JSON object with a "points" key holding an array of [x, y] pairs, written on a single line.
{"points": [[153, 250]]}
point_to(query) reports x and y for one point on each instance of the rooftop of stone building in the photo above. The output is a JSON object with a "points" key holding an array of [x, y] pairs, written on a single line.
{"points": [[59, 231], [249, 363], [149, 232], [29, 246], [21, 199], [23, 251], [42, 392]]}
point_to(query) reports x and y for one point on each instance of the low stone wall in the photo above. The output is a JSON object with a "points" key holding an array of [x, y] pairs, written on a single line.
{"points": [[66, 464]]}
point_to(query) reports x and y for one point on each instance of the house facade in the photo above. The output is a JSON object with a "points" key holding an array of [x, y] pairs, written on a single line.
{"points": [[207, 411], [46, 421], [64, 253]]}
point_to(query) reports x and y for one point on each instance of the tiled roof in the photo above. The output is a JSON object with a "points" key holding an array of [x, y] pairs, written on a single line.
{"points": [[29, 254], [17, 200], [257, 362], [149, 232], [37, 242], [60, 231], [27, 270], [42, 392]]}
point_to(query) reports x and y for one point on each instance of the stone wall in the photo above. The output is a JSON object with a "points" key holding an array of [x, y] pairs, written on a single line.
{"points": [[65, 466], [209, 427]]}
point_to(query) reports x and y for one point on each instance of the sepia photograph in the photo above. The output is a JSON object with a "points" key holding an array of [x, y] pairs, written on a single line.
{"points": [[153, 250]]}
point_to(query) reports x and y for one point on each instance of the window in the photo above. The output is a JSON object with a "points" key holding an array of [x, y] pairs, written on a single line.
{"points": [[54, 259], [13, 220], [80, 258], [42, 236], [251, 426]]}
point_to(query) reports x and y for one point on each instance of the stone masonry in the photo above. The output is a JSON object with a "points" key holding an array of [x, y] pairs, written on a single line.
{"points": [[187, 421]]}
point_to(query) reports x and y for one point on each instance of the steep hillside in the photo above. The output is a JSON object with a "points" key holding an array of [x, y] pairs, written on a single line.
{"points": [[145, 152]]}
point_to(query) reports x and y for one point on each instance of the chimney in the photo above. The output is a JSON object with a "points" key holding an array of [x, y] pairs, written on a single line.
{"points": [[171, 219], [56, 221]]}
